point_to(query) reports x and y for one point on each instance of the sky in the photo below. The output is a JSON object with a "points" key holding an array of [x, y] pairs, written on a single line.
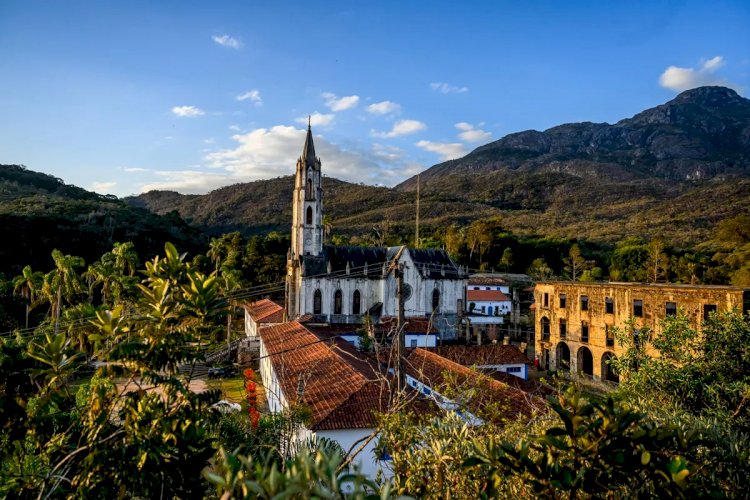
{"points": [[125, 97]]}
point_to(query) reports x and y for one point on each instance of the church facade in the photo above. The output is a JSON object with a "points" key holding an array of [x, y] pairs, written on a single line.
{"points": [[341, 284]]}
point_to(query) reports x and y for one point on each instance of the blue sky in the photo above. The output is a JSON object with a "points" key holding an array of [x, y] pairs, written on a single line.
{"points": [[124, 97]]}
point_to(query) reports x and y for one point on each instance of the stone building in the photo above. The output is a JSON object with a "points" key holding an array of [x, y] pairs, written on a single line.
{"points": [[339, 284], [575, 321]]}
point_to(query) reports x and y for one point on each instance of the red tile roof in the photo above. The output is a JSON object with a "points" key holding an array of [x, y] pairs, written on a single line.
{"points": [[481, 355], [414, 324], [265, 311], [338, 389], [486, 295], [438, 373]]}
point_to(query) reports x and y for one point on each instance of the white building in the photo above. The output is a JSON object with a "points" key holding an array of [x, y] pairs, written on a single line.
{"points": [[338, 284], [343, 397]]}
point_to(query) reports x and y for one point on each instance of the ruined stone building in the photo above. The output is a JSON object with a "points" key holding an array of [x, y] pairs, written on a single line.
{"points": [[575, 321], [340, 284]]}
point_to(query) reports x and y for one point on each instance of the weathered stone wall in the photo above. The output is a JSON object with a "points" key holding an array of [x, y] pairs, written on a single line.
{"points": [[690, 300]]}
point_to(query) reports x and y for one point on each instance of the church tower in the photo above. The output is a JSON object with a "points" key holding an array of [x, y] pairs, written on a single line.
{"points": [[307, 204], [307, 221]]}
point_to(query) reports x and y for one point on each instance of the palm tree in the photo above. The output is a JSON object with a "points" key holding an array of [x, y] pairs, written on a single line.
{"points": [[28, 285], [229, 281], [126, 258], [64, 279], [216, 252], [103, 272]]}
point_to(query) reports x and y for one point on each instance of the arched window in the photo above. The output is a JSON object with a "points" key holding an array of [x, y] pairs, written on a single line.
{"points": [[317, 301], [309, 190], [309, 215], [355, 302], [435, 300], [337, 302]]}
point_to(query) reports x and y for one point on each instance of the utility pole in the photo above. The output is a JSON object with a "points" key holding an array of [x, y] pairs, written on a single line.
{"points": [[401, 341], [416, 234]]}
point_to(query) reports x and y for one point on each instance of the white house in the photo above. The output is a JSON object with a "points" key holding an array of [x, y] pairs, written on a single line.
{"points": [[261, 312], [343, 396], [339, 284], [488, 358]]}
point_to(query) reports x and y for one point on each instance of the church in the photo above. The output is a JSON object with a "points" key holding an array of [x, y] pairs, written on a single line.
{"points": [[340, 284]]}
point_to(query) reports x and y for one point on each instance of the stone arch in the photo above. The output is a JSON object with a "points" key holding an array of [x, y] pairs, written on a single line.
{"points": [[317, 301], [563, 356], [435, 300], [585, 361], [356, 302], [309, 189], [608, 372]]}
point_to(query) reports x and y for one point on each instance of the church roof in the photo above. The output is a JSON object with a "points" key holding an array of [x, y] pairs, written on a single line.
{"points": [[308, 151], [434, 264]]}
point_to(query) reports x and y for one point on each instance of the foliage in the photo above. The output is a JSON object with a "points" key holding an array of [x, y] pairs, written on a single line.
{"points": [[597, 449]]}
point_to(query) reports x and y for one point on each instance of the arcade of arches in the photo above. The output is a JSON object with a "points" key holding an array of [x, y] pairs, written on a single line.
{"points": [[584, 362]]}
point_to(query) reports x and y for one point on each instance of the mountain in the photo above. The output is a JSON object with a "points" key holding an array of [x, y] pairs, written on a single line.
{"points": [[39, 213], [701, 134], [674, 171]]}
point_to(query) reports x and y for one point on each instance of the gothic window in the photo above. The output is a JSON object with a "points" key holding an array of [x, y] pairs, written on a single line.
{"points": [[317, 301], [435, 299], [355, 302], [309, 215], [337, 302], [309, 190]]}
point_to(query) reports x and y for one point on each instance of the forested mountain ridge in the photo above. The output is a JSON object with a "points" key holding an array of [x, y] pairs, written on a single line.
{"points": [[675, 171], [40, 213]]}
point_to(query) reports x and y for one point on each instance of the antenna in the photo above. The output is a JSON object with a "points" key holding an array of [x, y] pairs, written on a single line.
{"points": [[416, 233]]}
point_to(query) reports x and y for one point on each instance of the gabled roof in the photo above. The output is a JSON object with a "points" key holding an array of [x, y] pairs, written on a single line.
{"points": [[481, 355], [414, 324], [434, 264], [486, 295], [265, 311], [360, 259], [339, 393], [438, 372]]}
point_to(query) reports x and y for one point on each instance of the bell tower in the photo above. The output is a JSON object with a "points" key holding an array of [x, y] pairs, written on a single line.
{"points": [[307, 203], [307, 222]]}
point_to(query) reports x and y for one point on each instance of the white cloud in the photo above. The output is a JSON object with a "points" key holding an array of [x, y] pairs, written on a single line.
{"points": [[210, 140], [446, 88], [187, 111], [135, 169], [188, 181], [316, 119], [388, 154], [384, 108], [469, 133], [446, 150], [234, 128], [336, 103], [402, 127], [679, 79], [227, 41], [253, 96], [266, 153], [103, 187]]}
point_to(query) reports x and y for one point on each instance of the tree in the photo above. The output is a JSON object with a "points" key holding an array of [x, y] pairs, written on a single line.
{"points": [[506, 261], [63, 282], [479, 238], [575, 263], [657, 263], [126, 258], [454, 240], [539, 270], [28, 284]]}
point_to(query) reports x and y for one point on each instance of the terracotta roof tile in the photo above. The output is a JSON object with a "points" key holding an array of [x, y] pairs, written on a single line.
{"points": [[265, 311], [486, 295], [439, 372], [413, 324], [338, 394], [492, 354]]}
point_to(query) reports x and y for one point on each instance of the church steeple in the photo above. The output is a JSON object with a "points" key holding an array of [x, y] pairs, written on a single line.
{"points": [[308, 151], [307, 215]]}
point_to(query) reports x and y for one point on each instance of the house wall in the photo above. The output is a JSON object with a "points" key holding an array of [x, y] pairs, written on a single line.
{"points": [[251, 327], [520, 370], [503, 306], [502, 288], [274, 395], [690, 301], [422, 340]]}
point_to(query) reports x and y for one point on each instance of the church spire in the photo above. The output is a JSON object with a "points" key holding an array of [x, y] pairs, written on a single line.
{"points": [[308, 151]]}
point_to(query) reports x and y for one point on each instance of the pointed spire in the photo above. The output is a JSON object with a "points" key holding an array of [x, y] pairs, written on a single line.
{"points": [[308, 151]]}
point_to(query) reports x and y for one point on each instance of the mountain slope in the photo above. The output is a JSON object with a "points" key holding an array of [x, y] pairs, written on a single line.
{"points": [[673, 171]]}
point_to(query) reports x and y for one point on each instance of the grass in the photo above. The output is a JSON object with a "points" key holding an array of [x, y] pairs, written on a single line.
{"points": [[233, 390]]}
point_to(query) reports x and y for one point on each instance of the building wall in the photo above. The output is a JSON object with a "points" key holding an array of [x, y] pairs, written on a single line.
{"points": [[689, 300], [274, 395], [520, 370], [503, 306], [502, 288], [251, 327]]}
